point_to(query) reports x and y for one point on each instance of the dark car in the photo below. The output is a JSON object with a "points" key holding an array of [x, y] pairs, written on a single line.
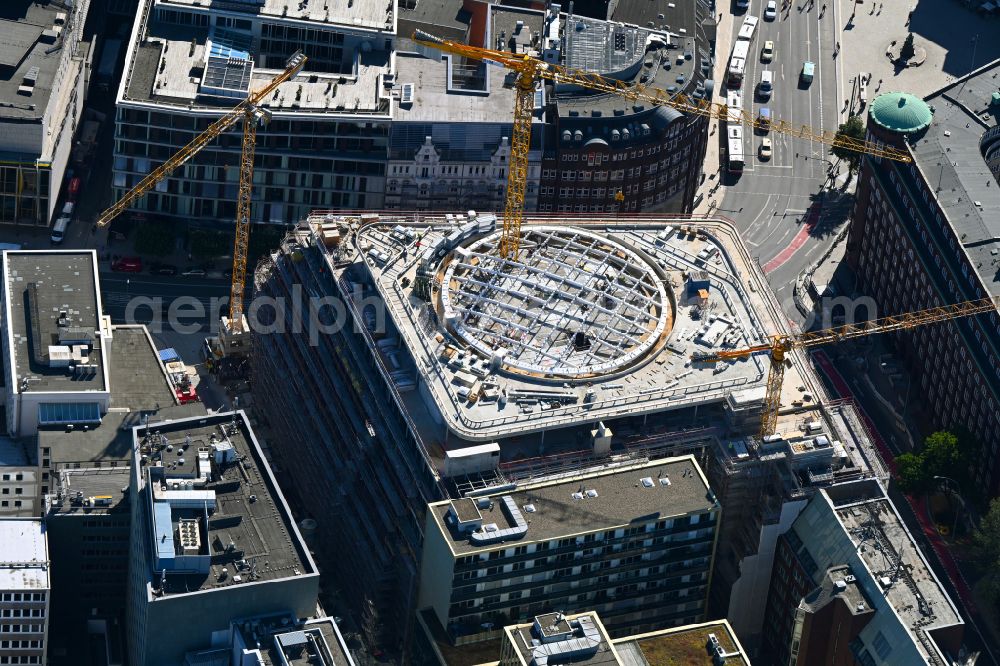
{"points": [[163, 269]]}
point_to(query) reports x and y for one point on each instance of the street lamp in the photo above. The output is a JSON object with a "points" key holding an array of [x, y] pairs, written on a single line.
{"points": [[949, 481]]}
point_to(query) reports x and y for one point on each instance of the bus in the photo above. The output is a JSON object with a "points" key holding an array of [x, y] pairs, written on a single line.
{"points": [[748, 29], [738, 63], [735, 157]]}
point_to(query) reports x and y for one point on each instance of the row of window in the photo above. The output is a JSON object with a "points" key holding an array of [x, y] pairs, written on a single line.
{"points": [[21, 628], [22, 612], [20, 645], [22, 659], [22, 596]]}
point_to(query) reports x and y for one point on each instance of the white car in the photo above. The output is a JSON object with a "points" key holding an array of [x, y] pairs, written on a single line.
{"points": [[767, 53], [765, 149], [771, 10]]}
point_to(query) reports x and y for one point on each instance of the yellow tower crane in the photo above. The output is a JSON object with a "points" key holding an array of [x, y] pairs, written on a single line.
{"points": [[251, 113], [780, 345], [531, 70]]}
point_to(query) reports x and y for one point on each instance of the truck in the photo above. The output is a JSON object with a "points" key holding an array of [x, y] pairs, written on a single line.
{"points": [[109, 60]]}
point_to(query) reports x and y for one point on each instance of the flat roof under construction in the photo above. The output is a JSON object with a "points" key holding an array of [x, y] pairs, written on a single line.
{"points": [[595, 319], [573, 305]]}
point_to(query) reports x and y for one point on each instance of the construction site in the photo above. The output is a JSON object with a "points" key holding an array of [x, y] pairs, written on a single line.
{"points": [[460, 372]]}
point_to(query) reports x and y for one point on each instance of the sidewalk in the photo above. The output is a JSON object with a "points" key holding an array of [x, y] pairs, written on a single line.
{"points": [[710, 167], [943, 28]]}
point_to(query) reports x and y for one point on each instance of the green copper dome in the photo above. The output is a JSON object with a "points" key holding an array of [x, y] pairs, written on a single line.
{"points": [[900, 112]]}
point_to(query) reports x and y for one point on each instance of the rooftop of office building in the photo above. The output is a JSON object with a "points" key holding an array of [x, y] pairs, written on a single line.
{"points": [[849, 536], [89, 490], [56, 331], [217, 515], [368, 14], [556, 638], [691, 645], [29, 59], [315, 643], [949, 155], [670, 53], [589, 501], [839, 584], [591, 322], [186, 67], [24, 555], [140, 393], [893, 560], [433, 87], [666, 46]]}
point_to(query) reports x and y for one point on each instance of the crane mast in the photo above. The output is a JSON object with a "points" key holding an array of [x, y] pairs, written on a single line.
{"points": [[779, 346], [531, 70], [250, 112]]}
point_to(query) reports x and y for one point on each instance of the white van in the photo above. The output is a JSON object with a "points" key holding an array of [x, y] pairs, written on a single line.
{"points": [[59, 229], [67, 210], [766, 86]]}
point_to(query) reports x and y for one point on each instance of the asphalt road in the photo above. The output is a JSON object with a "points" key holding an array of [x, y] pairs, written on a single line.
{"points": [[780, 205]]}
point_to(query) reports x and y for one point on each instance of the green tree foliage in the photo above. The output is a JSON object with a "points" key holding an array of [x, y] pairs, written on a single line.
{"points": [[154, 238], [911, 475], [986, 544], [941, 455], [906, 51], [854, 128], [207, 245]]}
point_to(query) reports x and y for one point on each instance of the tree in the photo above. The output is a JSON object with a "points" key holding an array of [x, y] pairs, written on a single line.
{"points": [[854, 129], [940, 454], [911, 475], [986, 546], [906, 51], [154, 238], [207, 245]]}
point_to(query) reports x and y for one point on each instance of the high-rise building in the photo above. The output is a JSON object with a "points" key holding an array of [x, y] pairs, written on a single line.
{"points": [[212, 540], [325, 146], [449, 139], [557, 638], [24, 591], [851, 586], [763, 486], [75, 384], [54, 340], [454, 374], [43, 69], [924, 234], [635, 544], [372, 124]]}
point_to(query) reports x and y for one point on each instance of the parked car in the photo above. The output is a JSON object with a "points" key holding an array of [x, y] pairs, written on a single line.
{"points": [[771, 10], [765, 148], [163, 269], [127, 265], [194, 272], [74, 188], [59, 229], [767, 53]]}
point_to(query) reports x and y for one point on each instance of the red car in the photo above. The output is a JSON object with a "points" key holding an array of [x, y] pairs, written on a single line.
{"points": [[74, 189], [127, 265]]}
